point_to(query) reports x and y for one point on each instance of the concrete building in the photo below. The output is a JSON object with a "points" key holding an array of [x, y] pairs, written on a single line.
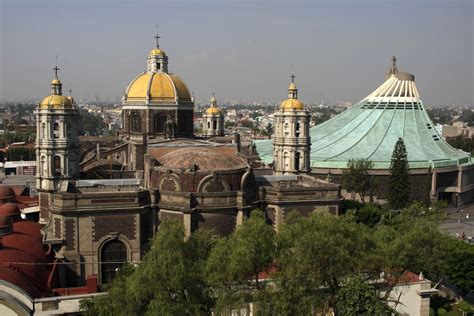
{"points": [[370, 129]]}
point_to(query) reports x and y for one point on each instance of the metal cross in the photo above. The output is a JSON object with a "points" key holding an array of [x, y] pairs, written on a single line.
{"points": [[56, 71], [157, 38], [292, 78]]}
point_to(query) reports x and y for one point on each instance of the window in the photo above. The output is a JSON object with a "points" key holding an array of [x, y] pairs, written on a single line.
{"points": [[208, 125], [136, 123], [214, 125], [297, 161], [68, 130], [57, 165], [43, 130], [159, 124], [113, 257], [56, 130]]}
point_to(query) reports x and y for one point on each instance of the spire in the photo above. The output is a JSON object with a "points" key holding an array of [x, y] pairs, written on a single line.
{"points": [[292, 90], [393, 68]]}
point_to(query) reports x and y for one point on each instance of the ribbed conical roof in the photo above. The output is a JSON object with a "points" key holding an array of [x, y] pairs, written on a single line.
{"points": [[370, 129]]}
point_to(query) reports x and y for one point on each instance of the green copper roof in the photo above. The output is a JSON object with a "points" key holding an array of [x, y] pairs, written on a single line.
{"points": [[370, 129]]}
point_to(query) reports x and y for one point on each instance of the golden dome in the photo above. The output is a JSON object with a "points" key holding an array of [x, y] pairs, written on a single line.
{"points": [[55, 101], [55, 81], [213, 110], [157, 87], [292, 86], [157, 51], [291, 104]]}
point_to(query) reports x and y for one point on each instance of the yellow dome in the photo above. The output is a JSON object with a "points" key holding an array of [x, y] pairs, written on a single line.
{"points": [[157, 51], [55, 81], [56, 102], [212, 110], [162, 88], [291, 104], [292, 86]]}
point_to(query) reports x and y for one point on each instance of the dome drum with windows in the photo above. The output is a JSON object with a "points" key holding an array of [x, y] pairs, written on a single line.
{"points": [[157, 103]]}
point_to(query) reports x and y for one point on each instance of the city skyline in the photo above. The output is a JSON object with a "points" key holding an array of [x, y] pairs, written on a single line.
{"points": [[241, 51]]}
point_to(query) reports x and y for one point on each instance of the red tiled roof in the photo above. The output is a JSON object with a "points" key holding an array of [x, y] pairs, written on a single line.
{"points": [[29, 228]]}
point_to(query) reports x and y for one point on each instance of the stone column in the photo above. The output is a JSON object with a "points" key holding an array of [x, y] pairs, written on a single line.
{"points": [[187, 224], [434, 191]]}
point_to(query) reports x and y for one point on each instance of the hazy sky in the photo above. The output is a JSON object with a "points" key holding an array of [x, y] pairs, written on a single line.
{"points": [[245, 50]]}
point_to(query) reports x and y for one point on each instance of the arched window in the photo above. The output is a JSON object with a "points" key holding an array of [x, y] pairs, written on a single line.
{"points": [[136, 123], [208, 125], [214, 124], [286, 161], [43, 130], [297, 161], [113, 257], [56, 130], [57, 166], [159, 123]]}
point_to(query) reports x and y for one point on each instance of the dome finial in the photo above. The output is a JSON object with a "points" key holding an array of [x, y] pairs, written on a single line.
{"points": [[56, 85], [213, 100], [292, 90], [56, 71], [157, 37]]}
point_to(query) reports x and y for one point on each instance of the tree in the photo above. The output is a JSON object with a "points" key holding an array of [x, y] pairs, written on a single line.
{"points": [[357, 297], [399, 186], [356, 177], [235, 263], [169, 280], [316, 253], [458, 265]]}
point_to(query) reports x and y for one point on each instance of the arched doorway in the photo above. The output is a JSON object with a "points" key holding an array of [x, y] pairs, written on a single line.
{"points": [[113, 257]]}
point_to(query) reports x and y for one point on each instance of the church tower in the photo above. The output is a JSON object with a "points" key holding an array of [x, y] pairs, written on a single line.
{"points": [[57, 138], [291, 140], [213, 120]]}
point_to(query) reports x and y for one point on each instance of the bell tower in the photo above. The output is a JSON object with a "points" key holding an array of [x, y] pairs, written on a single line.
{"points": [[57, 139], [213, 120], [291, 140]]}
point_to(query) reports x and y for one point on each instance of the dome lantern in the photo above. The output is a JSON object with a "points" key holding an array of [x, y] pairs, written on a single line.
{"points": [[157, 60], [56, 85], [292, 103]]}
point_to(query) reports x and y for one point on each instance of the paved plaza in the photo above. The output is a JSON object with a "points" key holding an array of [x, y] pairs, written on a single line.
{"points": [[459, 221]]}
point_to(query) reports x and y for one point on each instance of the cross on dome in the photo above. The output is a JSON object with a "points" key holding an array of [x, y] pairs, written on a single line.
{"points": [[157, 37], [292, 78], [56, 71], [393, 69]]}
